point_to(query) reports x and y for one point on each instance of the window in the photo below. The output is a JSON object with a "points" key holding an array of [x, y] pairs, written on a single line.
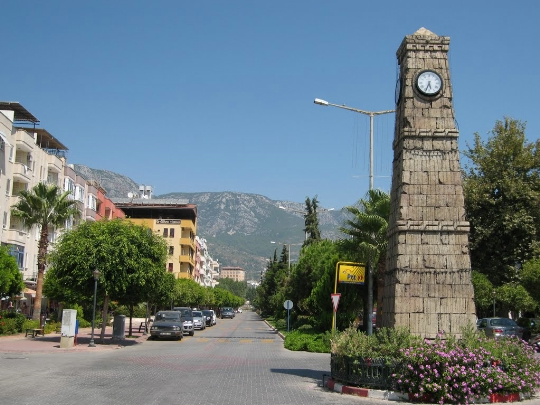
{"points": [[4, 222], [165, 232], [171, 250], [18, 253], [170, 267], [8, 186], [172, 232]]}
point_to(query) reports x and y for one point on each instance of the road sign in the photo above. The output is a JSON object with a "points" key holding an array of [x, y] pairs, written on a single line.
{"points": [[288, 304], [335, 300]]}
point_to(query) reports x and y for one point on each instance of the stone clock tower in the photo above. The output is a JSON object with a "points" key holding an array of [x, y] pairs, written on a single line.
{"points": [[427, 283]]}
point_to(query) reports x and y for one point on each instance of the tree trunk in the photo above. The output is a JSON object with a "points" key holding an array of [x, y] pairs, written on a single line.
{"points": [[37, 300], [130, 319]]}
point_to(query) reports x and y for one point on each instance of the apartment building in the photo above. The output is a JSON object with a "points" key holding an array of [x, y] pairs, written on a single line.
{"points": [[30, 155], [236, 273], [175, 220]]}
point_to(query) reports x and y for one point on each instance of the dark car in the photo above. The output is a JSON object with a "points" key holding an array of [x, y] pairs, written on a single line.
{"points": [[209, 317], [167, 324], [227, 312], [531, 327], [499, 327], [187, 316]]}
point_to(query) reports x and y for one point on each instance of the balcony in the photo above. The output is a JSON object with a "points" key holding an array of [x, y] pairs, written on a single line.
{"points": [[16, 236], [21, 172], [24, 141], [55, 164], [188, 242]]}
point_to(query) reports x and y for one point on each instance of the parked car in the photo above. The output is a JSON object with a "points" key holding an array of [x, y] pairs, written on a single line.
{"points": [[499, 327], [531, 327], [227, 312], [209, 316], [167, 324], [199, 320], [187, 316]]}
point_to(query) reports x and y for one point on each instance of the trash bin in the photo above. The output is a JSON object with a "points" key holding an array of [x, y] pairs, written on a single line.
{"points": [[119, 327]]}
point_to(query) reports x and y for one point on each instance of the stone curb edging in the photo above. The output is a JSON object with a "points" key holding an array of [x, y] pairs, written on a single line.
{"points": [[391, 395], [365, 392]]}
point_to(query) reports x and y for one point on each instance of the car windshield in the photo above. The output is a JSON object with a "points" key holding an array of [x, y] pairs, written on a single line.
{"points": [[207, 313], [502, 322], [227, 309], [168, 316], [197, 313]]}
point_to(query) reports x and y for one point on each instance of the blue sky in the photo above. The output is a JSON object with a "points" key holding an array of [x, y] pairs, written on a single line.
{"points": [[195, 96]]}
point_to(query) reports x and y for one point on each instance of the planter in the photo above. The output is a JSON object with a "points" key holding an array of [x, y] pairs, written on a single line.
{"points": [[498, 397]]}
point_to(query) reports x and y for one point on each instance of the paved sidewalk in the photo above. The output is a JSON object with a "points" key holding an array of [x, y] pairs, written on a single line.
{"points": [[50, 343]]}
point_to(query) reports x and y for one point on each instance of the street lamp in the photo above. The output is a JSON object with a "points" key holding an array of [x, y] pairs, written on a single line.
{"points": [[494, 294], [281, 207], [96, 278], [289, 249], [371, 115]]}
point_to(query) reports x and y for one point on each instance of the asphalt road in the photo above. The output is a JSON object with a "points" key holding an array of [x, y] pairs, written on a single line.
{"points": [[238, 361]]}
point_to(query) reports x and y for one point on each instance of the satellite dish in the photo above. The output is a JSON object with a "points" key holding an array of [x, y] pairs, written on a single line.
{"points": [[130, 195]]}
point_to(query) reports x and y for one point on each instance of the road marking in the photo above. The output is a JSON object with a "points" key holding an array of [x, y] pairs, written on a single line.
{"points": [[245, 340]]}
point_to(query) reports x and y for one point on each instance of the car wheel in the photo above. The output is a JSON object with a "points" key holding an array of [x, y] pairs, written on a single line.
{"points": [[192, 333]]}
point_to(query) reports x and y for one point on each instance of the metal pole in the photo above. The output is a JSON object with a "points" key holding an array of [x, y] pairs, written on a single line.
{"points": [[93, 315], [493, 304], [371, 151], [289, 253], [369, 310]]}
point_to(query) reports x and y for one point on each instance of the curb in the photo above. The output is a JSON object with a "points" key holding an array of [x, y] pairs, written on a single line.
{"points": [[396, 396], [364, 392]]}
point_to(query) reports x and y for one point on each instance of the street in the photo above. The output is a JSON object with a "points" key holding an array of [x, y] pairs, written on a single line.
{"points": [[237, 361]]}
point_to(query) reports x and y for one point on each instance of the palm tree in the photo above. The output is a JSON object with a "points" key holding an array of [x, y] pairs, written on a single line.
{"points": [[368, 230], [43, 206]]}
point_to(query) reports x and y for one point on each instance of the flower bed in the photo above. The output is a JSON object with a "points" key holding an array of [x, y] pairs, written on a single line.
{"points": [[473, 369]]}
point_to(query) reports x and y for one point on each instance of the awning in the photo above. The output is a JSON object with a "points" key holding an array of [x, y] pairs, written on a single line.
{"points": [[4, 138], [29, 291]]}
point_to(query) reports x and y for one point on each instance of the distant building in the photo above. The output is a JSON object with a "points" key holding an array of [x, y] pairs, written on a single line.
{"points": [[236, 273], [175, 220]]}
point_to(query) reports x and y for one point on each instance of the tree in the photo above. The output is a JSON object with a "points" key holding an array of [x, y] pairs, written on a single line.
{"points": [[43, 206], [130, 258], [501, 186], [311, 221], [368, 240], [530, 278], [483, 294], [236, 287], [11, 282]]}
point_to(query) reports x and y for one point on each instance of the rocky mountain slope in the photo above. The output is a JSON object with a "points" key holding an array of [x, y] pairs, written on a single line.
{"points": [[238, 227]]}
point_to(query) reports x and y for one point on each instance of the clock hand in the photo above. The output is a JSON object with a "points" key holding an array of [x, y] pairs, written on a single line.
{"points": [[428, 85]]}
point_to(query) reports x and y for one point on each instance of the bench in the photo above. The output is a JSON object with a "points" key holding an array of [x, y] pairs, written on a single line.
{"points": [[35, 332]]}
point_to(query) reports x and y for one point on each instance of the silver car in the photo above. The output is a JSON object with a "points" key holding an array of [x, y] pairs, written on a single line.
{"points": [[199, 321], [499, 327]]}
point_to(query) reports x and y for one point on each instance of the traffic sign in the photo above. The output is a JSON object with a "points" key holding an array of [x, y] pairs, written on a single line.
{"points": [[288, 304], [335, 300]]}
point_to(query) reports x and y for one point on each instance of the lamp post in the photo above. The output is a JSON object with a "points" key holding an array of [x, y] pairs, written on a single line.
{"points": [[96, 278], [371, 115], [494, 293], [288, 249], [281, 207]]}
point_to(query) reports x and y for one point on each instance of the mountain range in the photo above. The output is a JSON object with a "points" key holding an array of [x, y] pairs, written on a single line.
{"points": [[241, 229]]}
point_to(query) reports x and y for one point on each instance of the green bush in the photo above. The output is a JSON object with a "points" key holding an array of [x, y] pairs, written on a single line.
{"points": [[301, 340], [11, 322]]}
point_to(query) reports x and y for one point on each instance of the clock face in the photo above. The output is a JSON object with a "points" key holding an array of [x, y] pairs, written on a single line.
{"points": [[429, 83]]}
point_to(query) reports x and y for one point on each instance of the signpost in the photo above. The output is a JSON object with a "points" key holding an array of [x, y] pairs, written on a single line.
{"points": [[335, 302], [348, 273], [288, 306]]}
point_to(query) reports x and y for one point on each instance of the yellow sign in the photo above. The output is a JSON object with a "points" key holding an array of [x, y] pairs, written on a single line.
{"points": [[352, 273]]}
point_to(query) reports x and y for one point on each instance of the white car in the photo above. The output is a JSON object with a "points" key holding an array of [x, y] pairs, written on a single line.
{"points": [[210, 317]]}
